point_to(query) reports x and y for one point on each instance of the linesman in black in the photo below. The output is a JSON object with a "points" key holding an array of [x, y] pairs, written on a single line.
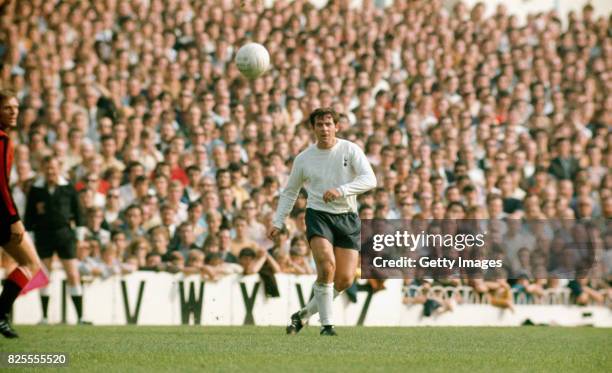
{"points": [[53, 212]]}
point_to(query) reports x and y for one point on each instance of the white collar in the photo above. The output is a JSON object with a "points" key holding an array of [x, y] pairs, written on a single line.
{"points": [[40, 182]]}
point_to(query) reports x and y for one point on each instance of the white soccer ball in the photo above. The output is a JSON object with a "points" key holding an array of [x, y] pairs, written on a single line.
{"points": [[252, 60]]}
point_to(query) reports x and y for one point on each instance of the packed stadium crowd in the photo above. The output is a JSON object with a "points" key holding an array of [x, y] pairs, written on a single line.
{"points": [[178, 160]]}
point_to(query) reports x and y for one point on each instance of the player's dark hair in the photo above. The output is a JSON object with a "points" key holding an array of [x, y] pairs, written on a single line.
{"points": [[321, 112]]}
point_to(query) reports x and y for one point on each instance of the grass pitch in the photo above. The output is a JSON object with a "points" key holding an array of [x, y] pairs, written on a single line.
{"points": [[357, 349]]}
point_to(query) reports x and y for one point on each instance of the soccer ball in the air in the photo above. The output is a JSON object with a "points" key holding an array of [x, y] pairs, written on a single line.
{"points": [[252, 60]]}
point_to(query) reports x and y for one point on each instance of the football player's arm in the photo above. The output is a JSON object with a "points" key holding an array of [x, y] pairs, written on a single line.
{"points": [[10, 209], [365, 179], [289, 195]]}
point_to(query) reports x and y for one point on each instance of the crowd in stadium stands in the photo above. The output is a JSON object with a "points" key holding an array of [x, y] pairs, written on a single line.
{"points": [[179, 161]]}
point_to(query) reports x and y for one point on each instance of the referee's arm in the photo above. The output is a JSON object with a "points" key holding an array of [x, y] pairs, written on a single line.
{"points": [[75, 206], [30, 213]]}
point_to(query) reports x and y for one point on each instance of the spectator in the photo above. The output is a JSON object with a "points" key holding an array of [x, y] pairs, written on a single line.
{"points": [[93, 227], [564, 165], [218, 268], [88, 264], [186, 240], [195, 262], [138, 250], [256, 230], [133, 222], [299, 258], [252, 261], [225, 245], [241, 239], [111, 265], [160, 240]]}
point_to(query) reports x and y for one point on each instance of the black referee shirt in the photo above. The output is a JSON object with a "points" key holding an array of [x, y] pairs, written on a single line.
{"points": [[47, 211]]}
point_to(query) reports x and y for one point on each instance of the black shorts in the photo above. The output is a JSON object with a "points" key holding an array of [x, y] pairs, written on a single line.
{"points": [[342, 230], [5, 234], [61, 241]]}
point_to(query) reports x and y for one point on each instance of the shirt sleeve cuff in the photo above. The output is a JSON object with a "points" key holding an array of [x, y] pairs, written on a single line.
{"points": [[13, 219]]}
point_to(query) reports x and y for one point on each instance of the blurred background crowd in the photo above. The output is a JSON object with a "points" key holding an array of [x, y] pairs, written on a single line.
{"points": [[178, 160]]}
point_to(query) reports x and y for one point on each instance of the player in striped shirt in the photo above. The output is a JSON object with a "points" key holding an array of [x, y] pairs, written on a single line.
{"points": [[13, 238]]}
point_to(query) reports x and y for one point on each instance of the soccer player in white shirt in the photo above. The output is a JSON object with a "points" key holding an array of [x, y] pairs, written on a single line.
{"points": [[333, 171]]}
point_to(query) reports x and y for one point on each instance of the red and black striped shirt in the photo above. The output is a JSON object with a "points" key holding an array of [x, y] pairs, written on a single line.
{"points": [[8, 210]]}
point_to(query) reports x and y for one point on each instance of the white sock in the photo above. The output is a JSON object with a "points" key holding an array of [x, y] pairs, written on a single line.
{"points": [[312, 308], [75, 290], [324, 294]]}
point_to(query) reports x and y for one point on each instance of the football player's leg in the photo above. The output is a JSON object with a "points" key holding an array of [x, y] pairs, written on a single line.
{"points": [[346, 265], [20, 248], [323, 253], [346, 250], [8, 263], [312, 307]]}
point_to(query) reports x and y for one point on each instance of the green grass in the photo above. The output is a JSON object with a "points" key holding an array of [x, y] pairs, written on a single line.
{"points": [[357, 349]]}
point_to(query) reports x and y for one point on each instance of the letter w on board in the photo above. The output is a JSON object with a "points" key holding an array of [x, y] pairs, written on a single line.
{"points": [[193, 305]]}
